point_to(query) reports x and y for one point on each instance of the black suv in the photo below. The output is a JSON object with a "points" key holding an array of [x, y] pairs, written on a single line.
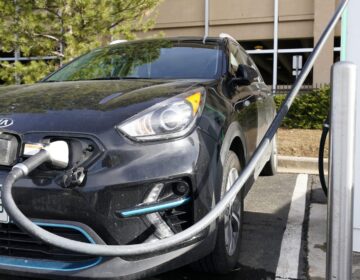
{"points": [[158, 131]]}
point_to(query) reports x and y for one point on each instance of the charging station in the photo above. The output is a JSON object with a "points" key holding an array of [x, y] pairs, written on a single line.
{"points": [[352, 45]]}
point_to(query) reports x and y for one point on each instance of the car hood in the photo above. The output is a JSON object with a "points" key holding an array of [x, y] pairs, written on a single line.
{"points": [[83, 106]]}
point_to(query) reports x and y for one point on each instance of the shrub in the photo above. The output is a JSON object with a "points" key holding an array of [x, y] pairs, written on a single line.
{"points": [[309, 110]]}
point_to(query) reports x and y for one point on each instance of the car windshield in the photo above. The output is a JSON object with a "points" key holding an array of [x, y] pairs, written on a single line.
{"points": [[154, 59]]}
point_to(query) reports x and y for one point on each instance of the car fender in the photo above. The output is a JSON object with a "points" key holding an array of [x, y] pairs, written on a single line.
{"points": [[234, 130]]}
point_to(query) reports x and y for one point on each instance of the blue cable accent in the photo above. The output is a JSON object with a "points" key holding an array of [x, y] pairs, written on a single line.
{"points": [[83, 232], [52, 265], [46, 265], [154, 208]]}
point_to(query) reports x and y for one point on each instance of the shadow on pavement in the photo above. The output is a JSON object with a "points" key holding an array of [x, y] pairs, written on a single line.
{"points": [[267, 206]]}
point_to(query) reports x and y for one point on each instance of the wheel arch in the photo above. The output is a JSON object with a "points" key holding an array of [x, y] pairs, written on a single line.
{"points": [[238, 148], [234, 140]]}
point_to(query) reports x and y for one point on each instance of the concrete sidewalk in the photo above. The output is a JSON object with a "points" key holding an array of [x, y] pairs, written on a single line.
{"points": [[317, 235]]}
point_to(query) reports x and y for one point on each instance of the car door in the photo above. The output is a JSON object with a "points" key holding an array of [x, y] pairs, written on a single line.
{"points": [[244, 99], [264, 98]]}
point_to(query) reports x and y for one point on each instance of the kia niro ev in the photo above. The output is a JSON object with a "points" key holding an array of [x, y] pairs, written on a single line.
{"points": [[158, 130]]}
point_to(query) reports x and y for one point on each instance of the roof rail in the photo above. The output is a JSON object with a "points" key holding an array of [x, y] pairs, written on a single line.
{"points": [[225, 35], [117, 42]]}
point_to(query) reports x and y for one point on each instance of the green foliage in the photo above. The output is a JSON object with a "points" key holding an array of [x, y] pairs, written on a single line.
{"points": [[28, 73], [119, 60], [309, 110], [67, 28]]}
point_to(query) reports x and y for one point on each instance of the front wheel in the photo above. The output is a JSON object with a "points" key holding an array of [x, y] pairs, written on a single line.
{"points": [[226, 253]]}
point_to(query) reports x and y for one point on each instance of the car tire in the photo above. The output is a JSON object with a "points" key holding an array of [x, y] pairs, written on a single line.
{"points": [[225, 255], [270, 168]]}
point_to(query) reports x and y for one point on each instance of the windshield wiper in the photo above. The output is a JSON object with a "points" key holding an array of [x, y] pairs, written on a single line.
{"points": [[99, 79], [102, 79], [119, 78], [136, 78], [49, 81]]}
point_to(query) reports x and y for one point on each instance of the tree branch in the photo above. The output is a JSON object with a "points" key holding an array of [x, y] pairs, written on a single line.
{"points": [[58, 54], [47, 36]]}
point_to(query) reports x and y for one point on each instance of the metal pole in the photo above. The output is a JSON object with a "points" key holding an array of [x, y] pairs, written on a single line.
{"points": [[276, 38], [20, 58], [16, 59], [344, 24], [206, 23], [17, 48], [298, 50], [341, 172], [352, 53]]}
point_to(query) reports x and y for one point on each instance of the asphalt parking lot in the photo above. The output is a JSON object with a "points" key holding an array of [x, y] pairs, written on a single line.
{"points": [[266, 217], [273, 246]]}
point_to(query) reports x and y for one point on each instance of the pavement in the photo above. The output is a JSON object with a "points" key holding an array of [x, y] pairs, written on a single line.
{"points": [[316, 241], [274, 224], [265, 243]]}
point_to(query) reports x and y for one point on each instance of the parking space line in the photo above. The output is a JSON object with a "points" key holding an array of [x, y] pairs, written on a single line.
{"points": [[288, 264]]}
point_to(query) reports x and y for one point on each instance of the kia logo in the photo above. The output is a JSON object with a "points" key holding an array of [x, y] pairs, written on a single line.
{"points": [[4, 122]]}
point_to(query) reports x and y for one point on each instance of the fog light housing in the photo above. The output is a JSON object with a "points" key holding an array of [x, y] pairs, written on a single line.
{"points": [[159, 204], [162, 230], [181, 188], [9, 147]]}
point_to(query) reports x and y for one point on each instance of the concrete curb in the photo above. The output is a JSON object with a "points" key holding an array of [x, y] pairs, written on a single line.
{"points": [[290, 164]]}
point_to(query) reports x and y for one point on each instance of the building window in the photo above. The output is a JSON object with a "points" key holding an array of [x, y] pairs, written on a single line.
{"points": [[291, 57]]}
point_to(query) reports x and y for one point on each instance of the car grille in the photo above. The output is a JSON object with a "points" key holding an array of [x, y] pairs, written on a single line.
{"points": [[179, 218], [16, 243]]}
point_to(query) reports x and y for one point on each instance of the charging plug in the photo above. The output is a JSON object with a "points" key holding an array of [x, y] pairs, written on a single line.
{"points": [[58, 153]]}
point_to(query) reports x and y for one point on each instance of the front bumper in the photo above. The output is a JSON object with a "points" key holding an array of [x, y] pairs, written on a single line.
{"points": [[99, 267], [119, 179]]}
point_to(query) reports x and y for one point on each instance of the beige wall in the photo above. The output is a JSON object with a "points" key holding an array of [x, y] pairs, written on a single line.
{"points": [[323, 14], [180, 13], [249, 20], [245, 18]]}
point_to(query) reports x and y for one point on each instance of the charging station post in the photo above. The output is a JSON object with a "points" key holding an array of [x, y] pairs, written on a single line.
{"points": [[341, 172]]}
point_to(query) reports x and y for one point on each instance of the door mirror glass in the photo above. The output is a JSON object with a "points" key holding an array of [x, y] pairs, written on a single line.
{"points": [[245, 75]]}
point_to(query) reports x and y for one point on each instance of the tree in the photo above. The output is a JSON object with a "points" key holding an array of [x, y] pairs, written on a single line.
{"points": [[65, 29]]}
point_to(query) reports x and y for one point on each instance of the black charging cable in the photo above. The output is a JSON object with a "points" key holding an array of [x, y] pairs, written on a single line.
{"points": [[324, 134]]}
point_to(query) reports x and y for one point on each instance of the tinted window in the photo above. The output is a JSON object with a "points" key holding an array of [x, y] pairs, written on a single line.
{"points": [[158, 59]]}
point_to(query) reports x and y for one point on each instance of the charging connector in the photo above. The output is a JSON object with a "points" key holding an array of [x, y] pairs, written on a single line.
{"points": [[56, 152]]}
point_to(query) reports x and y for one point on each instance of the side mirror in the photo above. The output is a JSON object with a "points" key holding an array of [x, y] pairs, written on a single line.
{"points": [[245, 75]]}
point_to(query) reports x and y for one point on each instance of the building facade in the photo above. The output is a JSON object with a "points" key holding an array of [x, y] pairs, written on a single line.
{"points": [[252, 23]]}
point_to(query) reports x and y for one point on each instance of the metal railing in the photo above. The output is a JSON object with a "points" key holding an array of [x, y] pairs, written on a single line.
{"points": [[21, 58], [284, 89]]}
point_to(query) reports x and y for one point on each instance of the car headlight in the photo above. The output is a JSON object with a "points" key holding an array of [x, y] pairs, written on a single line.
{"points": [[171, 118]]}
